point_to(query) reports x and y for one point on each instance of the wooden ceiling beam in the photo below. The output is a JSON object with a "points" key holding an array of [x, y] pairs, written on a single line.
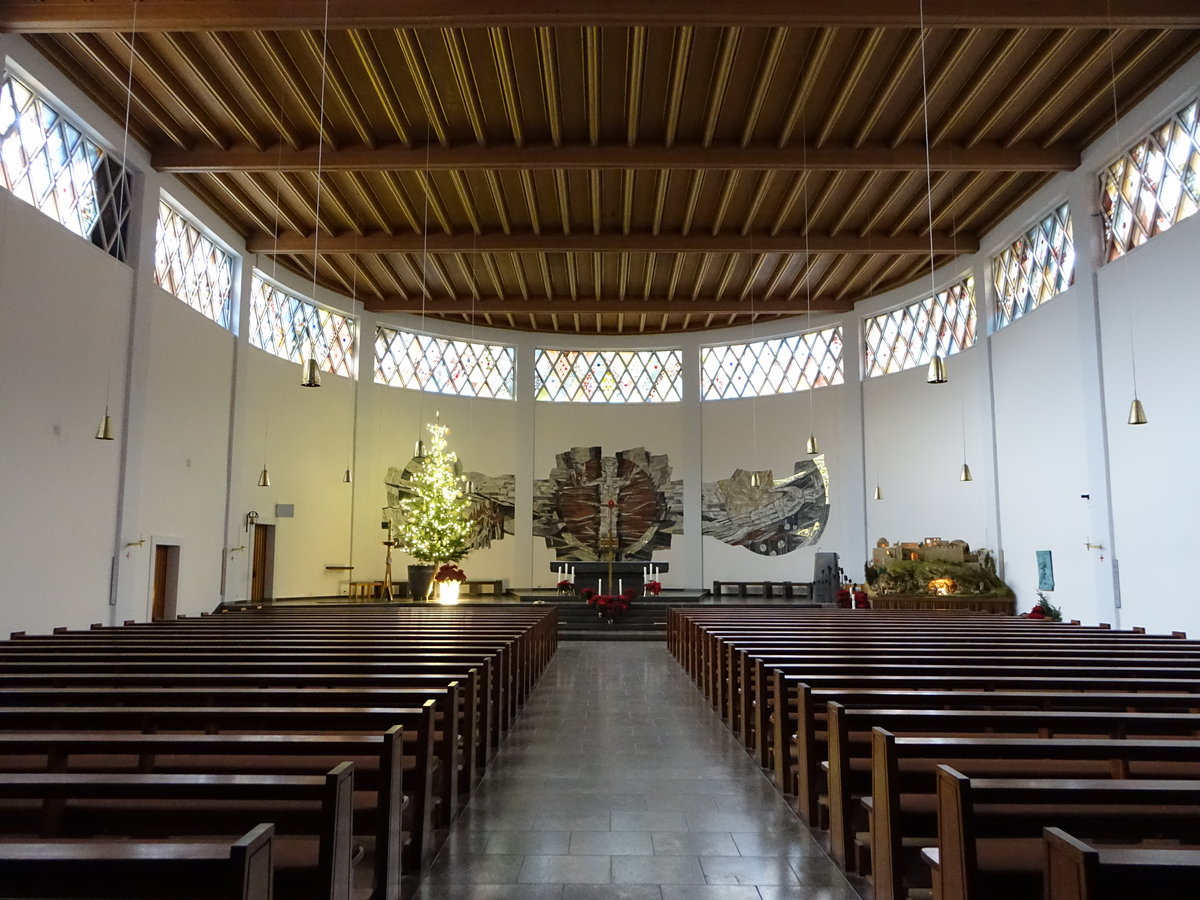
{"points": [[376, 242], [910, 156], [277, 15], [564, 306]]}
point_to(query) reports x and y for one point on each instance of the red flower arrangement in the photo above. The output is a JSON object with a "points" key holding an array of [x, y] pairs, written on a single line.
{"points": [[565, 585], [610, 606], [653, 588], [450, 572]]}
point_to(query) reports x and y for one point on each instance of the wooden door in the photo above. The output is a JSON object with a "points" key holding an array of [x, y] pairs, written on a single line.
{"points": [[162, 564], [262, 563]]}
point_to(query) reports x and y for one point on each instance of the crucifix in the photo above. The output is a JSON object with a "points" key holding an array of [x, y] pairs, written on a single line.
{"points": [[386, 592], [608, 543]]}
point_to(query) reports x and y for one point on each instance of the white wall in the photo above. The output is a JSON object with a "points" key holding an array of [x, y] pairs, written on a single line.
{"points": [[1042, 405], [914, 436], [1155, 489], [64, 305], [1040, 454]]}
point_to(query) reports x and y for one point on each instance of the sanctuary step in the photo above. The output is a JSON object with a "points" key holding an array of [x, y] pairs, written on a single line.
{"points": [[645, 620]]}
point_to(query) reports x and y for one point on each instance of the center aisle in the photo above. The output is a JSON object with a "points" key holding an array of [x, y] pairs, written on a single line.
{"points": [[619, 781]]}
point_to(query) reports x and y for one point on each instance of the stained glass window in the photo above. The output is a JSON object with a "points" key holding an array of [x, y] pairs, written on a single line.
{"points": [[293, 328], [775, 366], [607, 376], [47, 162], [422, 362], [192, 267], [1154, 184], [1038, 265], [910, 336]]}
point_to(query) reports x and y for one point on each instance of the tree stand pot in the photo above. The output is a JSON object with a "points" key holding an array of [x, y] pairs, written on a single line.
{"points": [[420, 582]]}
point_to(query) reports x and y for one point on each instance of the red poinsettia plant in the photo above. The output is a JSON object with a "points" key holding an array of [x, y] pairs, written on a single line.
{"points": [[610, 606], [565, 585], [653, 588], [450, 572]]}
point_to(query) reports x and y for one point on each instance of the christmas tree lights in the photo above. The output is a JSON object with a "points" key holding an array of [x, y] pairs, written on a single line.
{"points": [[434, 524]]}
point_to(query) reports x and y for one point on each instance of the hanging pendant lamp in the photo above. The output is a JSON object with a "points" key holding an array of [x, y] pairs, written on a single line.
{"points": [[264, 480], [347, 478], [105, 431], [937, 371], [965, 474], [810, 446], [419, 450], [312, 375], [878, 493], [1137, 413]]}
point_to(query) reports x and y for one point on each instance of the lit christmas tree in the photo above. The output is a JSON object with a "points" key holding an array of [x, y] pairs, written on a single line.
{"points": [[434, 526]]}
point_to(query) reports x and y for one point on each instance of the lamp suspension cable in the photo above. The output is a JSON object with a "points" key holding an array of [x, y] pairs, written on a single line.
{"points": [[1137, 412], [964, 474], [810, 446], [351, 320], [264, 479], [756, 479], [937, 365], [104, 431], [312, 371], [419, 450]]}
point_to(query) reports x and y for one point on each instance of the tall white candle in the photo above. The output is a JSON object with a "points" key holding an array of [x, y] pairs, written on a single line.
{"points": [[619, 590], [600, 586]]}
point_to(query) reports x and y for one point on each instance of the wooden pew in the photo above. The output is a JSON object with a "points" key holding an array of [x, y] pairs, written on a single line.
{"points": [[493, 693], [141, 870], [903, 788], [1075, 870], [61, 673], [797, 731], [990, 829], [850, 736], [418, 777], [142, 805], [446, 727], [377, 758]]}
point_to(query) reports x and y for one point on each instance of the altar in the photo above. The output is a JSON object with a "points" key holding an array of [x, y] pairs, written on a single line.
{"points": [[628, 575]]}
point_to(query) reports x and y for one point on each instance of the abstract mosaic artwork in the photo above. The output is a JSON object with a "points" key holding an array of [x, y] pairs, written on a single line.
{"points": [[772, 517], [493, 502], [589, 495]]}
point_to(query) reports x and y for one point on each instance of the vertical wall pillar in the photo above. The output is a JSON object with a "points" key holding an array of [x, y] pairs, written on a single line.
{"points": [[1088, 254], [129, 597], [235, 574], [690, 550], [524, 425], [987, 468]]}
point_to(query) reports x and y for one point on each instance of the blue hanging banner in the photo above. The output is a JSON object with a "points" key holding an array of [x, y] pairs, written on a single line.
{"points": [[1045, 564]]}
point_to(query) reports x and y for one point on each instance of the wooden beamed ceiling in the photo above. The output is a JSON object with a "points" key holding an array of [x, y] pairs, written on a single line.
{"points": [[618, 167]]}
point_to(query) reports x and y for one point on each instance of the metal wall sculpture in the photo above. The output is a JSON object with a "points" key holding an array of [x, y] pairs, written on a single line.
{"points": [[766, 516], [493, 502], [589, 494]]}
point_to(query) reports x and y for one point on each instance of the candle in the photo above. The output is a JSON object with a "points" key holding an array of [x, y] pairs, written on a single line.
{"points": [[600, 586], [619, 586]]}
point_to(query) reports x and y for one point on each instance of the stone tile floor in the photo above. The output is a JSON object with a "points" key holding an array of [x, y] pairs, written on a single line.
{"points": [[618, 782]]}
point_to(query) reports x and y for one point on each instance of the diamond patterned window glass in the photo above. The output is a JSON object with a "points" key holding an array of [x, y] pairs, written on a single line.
{"points": [[775, 366], [909, 337], [193, 268], [1153, 185], [422, 362], [1038, 265], [607, 376], [47, 162], [293, 328]]}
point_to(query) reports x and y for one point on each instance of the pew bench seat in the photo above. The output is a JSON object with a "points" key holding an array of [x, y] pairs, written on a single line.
{"points": [[316, 810], [1076, 870], [141, 870]]}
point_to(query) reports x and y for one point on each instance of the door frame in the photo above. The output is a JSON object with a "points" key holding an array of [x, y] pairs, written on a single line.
{"points": [[174, 547], [261, 590]]}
